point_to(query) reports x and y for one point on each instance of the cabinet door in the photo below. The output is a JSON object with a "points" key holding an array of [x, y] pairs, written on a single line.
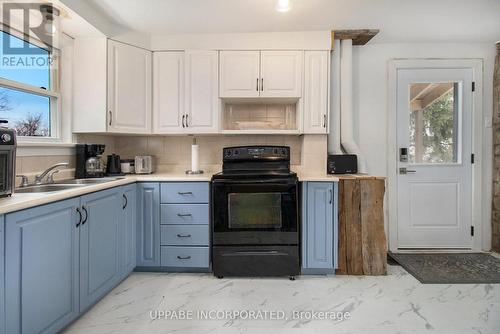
{"points": [[148, 225], [281, 73], [128, 230], [316, 74], [129, 89], [202, 98], [2, 276], [319, 226], [99, 261], [168, 92], [239, 73], [41, 284]]}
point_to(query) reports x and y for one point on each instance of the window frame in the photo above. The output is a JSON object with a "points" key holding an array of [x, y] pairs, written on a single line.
{"points": [[52, 92]]}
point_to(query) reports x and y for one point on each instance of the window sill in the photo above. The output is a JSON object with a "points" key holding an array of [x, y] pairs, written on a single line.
{"points": [[29, 148]]}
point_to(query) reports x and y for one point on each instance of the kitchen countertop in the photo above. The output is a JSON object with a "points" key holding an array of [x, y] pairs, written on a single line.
{"points": [[25, 200]]}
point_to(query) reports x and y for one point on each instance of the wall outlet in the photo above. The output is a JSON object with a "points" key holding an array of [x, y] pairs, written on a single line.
{"points": [[487, 122]]}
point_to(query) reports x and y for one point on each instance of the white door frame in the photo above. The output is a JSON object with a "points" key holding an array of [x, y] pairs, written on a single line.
{"points": [[477, 140]]}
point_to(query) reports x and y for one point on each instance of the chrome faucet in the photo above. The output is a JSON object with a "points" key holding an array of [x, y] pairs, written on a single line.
{"points": [[39, 178]]}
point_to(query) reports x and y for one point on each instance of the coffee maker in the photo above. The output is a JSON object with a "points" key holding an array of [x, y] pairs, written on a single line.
{"points": [[89, 161]]}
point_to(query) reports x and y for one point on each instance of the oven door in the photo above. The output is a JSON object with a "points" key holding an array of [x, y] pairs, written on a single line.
{"points": [[255, 212]]}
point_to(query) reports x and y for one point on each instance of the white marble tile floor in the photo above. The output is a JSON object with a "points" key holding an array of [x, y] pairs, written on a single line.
{"points": [[396, 303]]}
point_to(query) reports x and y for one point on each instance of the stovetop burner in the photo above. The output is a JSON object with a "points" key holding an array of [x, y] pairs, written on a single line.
{"points": [[256, 161]]}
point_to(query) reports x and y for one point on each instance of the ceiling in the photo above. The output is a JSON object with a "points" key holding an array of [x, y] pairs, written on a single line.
{"points": [[398, 20]]}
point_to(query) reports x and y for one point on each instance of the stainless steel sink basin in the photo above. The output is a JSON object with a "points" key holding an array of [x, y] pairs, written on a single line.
{"points": [[89, 181], [45, 188]]}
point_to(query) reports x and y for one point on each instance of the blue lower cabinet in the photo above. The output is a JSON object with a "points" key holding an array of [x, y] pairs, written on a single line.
{"points": [[42, 268], [185, 257], [127, 230], [148, 225], [319, 227], [2, 275], [99, 244]]}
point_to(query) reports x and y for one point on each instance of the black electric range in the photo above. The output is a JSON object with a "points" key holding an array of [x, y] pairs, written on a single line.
{"points": [[255, 230]]}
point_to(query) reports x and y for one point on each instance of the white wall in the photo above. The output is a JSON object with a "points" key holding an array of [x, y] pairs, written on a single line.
{"points": [[371, 105]]}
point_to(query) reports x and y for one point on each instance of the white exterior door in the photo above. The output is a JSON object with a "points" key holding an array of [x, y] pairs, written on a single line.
{"points": [[129, 89], [201, 89], [281, 73], [434, 138], [239, 73], [168, 92]]}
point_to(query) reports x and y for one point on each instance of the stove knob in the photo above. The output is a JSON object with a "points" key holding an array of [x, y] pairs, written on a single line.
{"points": [[275, 151], [6, 137], [283, 152], [228, 153], [236, 152]]}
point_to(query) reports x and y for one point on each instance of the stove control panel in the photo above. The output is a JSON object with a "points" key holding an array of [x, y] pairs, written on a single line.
{"points": [[256, 153]]}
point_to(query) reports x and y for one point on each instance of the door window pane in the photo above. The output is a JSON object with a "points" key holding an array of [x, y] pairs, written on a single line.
{"points": [[254, 210], [433, 123], [28, 113]]}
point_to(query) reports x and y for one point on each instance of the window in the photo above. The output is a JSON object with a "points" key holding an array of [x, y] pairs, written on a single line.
{"points": [[28, 90], [434, 123]]}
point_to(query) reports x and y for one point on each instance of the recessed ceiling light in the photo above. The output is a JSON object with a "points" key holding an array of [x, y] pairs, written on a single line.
{"points": [[283, 6]]}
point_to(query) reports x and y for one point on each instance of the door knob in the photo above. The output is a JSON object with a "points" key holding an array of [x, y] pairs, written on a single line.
{"points": [[404, 170]]}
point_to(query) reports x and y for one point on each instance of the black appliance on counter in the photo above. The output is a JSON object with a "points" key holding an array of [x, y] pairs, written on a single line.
{"points": [[342, 164], [255, 230], [7, 160], [89, 161], [113, 165]]}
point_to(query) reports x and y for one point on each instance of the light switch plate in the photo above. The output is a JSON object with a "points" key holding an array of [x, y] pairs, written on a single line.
{"points": [[487, 122]]}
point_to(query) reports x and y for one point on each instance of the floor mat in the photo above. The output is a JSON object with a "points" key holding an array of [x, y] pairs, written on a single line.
{"points": [[456, 268]]}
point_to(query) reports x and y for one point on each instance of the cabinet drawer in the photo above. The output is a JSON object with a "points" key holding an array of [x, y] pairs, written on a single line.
{"points": [[184, 192], [184, 235], [184, 214], [188, 257]]}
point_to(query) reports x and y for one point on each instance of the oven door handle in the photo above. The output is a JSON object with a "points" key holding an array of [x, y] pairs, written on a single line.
{"points": [[268, 182], [260, 253]]}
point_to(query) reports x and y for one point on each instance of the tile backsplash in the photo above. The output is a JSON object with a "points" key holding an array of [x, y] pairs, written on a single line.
{"points": [[308, 152]]}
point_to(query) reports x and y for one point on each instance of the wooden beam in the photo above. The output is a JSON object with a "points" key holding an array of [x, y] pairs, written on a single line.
{"points": [[358, 36]]}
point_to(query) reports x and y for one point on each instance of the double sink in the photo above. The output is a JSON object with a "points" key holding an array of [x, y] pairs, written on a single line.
{"points": [[63, 185]]}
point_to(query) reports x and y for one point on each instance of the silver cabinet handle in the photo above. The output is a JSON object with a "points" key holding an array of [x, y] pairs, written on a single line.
{"points": [[324, 120], [110, 117], [184, 214], [184, 235], [261, 84], [331, 196], [257, 86], [183, 117], [185, 192], [187, 121], [183, 257], [404, 170]]}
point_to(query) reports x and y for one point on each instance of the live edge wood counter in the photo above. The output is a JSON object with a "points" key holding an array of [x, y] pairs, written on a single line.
{"points": [[362, 240]]}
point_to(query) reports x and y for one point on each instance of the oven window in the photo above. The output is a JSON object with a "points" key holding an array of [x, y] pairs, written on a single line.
{"points": [[254, 210]]}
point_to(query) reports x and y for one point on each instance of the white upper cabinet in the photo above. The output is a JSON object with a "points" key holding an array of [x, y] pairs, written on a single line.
{"points": [[245, 74], [168, 92], [201, 92], [316, 79], [239, 73], [89, 85], [111, 87], [281, 73], [129, 89]]}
